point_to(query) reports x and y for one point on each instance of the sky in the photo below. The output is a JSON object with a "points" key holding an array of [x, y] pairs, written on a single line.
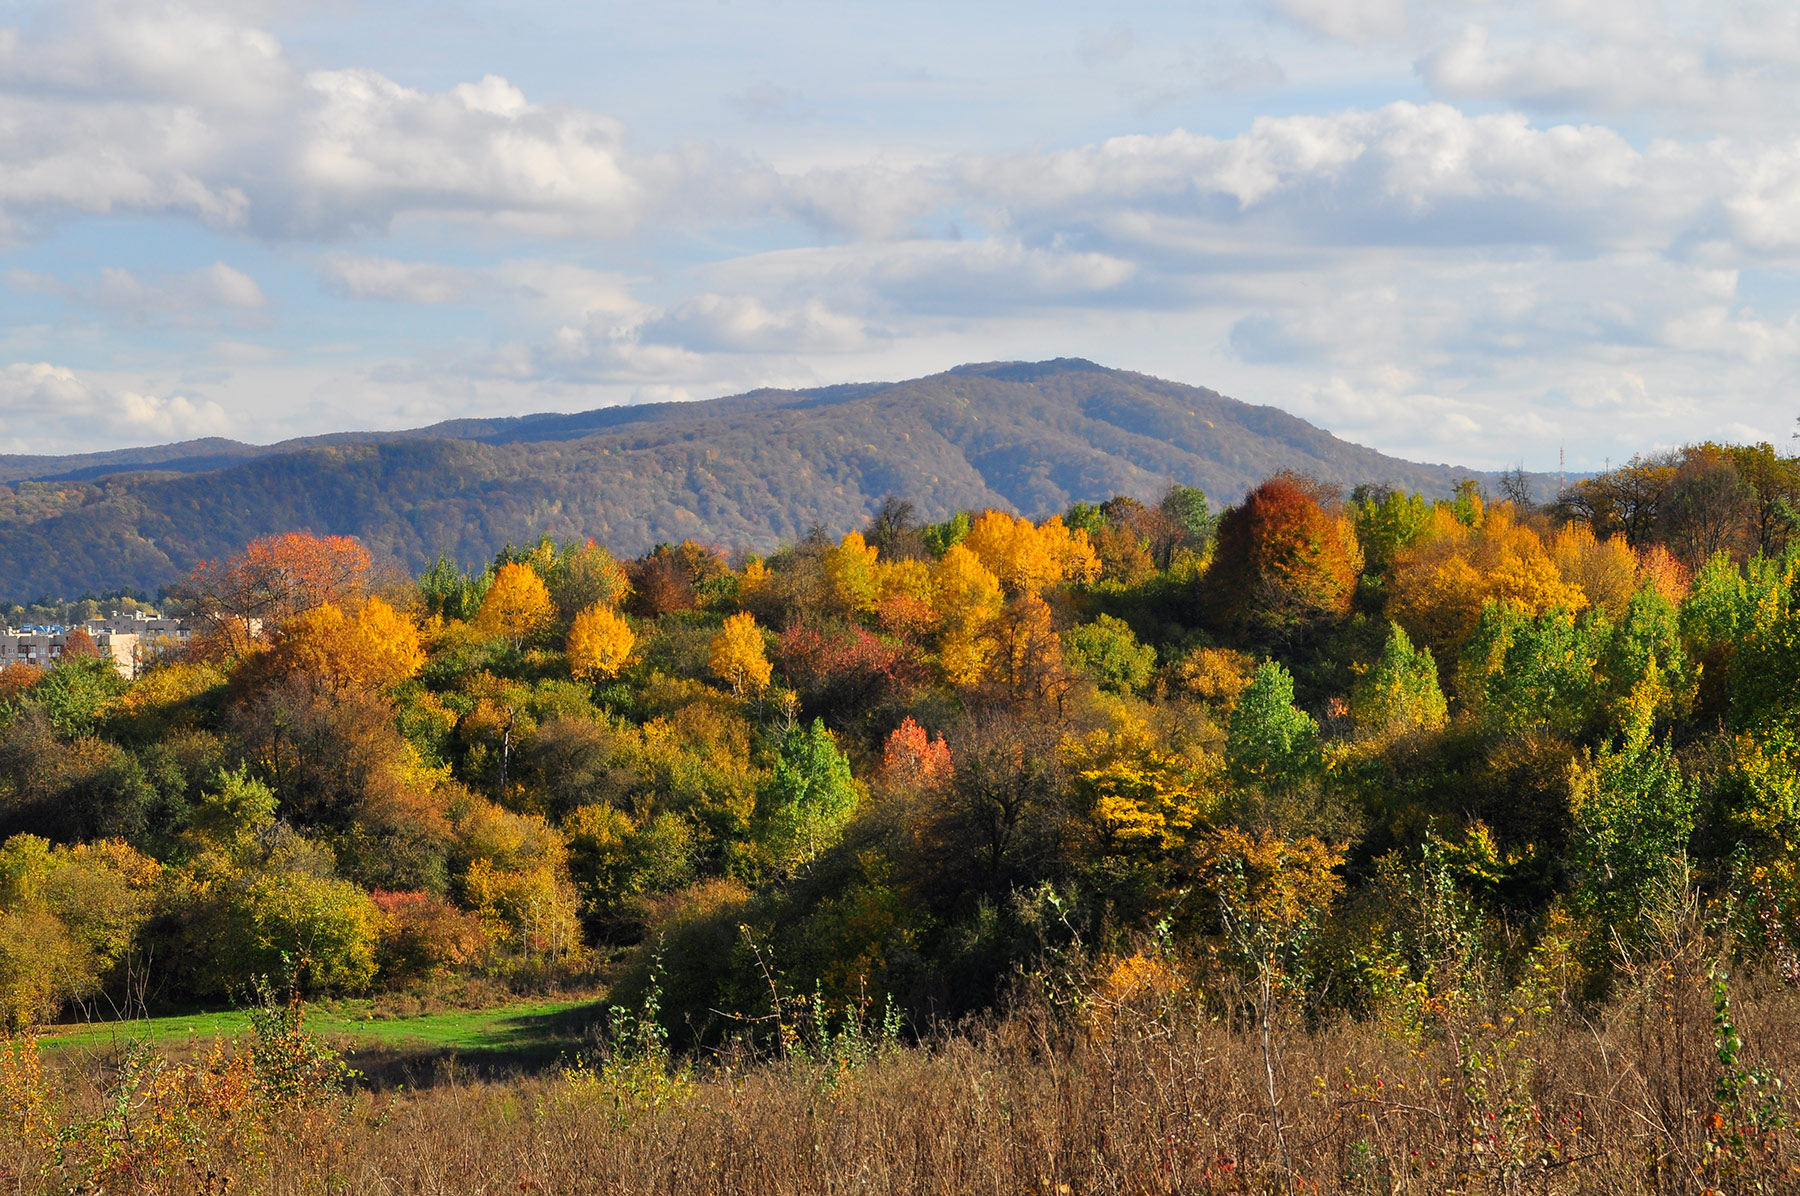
{"points": [[1470, 232]]}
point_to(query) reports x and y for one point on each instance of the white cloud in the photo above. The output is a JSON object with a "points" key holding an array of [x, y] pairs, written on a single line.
{"points": [[1693, 66], [159, 108], [989, 276], [349, 151], [1351, 20], [368, 150], [52, 408], [201, 298], [174, 417], [27, 387], [1404, 172], [396, 281], [229, 287], [557, 290], [1599, 77], [148, 52], [564, 290], [742, 324]]}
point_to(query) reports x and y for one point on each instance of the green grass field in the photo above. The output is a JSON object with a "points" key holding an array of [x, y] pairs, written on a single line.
{"points": [[520, 1034]]}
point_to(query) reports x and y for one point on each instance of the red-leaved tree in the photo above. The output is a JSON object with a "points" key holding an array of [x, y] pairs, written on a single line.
{"points": [[1282, 563], [912, 759]]}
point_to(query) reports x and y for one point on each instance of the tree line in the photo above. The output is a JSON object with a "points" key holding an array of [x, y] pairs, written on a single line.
{"points": [[898, 766]]}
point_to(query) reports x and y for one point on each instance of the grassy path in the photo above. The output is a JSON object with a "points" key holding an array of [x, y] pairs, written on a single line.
{"points": [[520, 1033]]}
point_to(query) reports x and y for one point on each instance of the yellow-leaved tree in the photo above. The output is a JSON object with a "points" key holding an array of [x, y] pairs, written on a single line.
{"points": [[738, 657], [517, 605], [372, 649], [754, 580], [1521, 572], [1136, 793], [516, 880], [1028, 557], [600, 643], [853, 573], [965, 597], [1605, 570], [1439, 586], [68, 916]]}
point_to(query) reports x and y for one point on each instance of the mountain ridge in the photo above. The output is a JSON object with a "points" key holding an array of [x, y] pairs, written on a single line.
{"points": [[745, 470]]}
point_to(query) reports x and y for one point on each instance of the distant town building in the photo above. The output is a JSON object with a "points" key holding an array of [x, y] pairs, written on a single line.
{"points": [[130, 641], [43, 648], [154, 631]]}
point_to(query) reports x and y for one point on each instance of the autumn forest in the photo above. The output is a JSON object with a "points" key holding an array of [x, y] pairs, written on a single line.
{"points": [[1274, 803]]}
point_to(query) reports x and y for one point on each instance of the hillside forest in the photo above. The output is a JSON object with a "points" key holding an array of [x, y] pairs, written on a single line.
{"points": [[1359, 758], [751, 471]]}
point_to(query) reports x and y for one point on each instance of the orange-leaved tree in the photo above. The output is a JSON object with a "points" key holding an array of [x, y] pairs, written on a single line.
{"points": [[517, 605], [1282, 562], [274, 579], [18, 677], [600, 643], [1439, 585], [1030, 650], [79, 645], [912, 759]]}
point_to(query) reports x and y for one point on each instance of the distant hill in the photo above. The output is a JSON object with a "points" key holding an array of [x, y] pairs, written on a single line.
{"points": [[748, 470]]}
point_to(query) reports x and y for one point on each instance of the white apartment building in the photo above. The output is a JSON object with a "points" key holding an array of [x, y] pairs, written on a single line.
{"points": [[43, 648], [155, 633]]}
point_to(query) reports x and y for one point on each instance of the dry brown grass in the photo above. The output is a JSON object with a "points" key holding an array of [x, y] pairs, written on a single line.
{"points": [[1143, 1092]]}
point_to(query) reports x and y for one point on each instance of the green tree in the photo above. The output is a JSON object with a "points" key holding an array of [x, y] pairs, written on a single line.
{"points": [[1646, 648], [940, 537], [1521, 672], [1388, 521], [1764, 682], [450, 593], [1716, 603], [233, 815], [807, 797], [1271, 744], [584, 576], [1634, 815], [616, 861], [76, 695], [1108, 652], [1399, 694], [326, 928], [1191, 520]]}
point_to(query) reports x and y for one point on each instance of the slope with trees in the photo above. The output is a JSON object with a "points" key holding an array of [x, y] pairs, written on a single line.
{"points": [[748, 471]]}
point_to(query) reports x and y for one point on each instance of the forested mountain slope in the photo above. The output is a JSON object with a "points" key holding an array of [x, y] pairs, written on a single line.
{"points": [[748, 470]]}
